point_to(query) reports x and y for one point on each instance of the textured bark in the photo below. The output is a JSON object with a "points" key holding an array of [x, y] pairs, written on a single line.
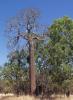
{"points": [[32, 73]]}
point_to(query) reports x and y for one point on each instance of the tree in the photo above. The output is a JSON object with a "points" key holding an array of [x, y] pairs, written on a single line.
{"points": [[59, 50], [15, 72], [26, 21], [56, 56]]}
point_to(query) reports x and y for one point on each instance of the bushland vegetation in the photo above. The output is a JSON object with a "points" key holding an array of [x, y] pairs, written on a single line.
{"points": [[45, 66]]}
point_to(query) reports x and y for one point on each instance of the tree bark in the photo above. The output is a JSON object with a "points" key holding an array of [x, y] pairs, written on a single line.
{"points": [[32, 73]]}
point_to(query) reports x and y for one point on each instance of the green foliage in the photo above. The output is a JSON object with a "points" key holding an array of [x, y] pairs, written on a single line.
{"points": [[15, 73], [60, 50], [57, 54], [53, 58]]}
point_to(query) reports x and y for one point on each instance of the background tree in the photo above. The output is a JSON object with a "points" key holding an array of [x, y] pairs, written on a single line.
{"points": [[59, 50], [56, 54], [15, 72]]}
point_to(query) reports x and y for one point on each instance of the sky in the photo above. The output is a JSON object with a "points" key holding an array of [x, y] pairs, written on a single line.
{"points": [[49, 9]]}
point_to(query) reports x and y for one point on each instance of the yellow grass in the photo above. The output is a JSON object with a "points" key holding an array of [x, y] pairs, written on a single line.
{"points": [[62, 97], [54, 97], [18, 98]]}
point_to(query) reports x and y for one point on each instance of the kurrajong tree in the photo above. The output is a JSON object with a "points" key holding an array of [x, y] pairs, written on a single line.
{"points": [[22, 27]]}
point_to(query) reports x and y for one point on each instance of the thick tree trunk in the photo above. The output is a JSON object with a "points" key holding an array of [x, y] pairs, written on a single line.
{"points": [[32, 67]]}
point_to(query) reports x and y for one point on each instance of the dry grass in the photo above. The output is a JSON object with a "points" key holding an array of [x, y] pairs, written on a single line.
{"points": [[18, 98], [54, 97], [62, 97]]}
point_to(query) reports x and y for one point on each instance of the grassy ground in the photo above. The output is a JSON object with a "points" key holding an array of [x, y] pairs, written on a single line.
{"points": [[57, 97]]}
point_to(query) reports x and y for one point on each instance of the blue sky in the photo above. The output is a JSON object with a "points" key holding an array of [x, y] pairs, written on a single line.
{"points": [[50, 10]]}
